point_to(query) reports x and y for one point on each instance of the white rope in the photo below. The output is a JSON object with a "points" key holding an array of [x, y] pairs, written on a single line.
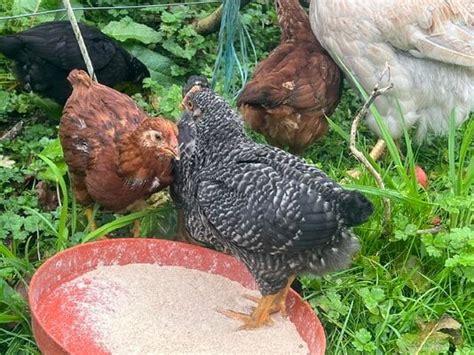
{"points": [[101, 8], [80, 40]]}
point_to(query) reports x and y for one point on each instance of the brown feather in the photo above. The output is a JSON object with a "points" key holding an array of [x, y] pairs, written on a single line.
{"points": [[117, 155], [292, 89]]}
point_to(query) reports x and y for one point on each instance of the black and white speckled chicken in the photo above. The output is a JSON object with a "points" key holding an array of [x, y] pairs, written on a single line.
{"points": [[275, 213]]}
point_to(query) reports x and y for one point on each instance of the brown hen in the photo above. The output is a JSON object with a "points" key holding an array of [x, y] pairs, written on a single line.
{"points": [[117, 155], [293, 89]]}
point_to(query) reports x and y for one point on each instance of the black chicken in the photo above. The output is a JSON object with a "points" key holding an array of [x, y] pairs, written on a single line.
{"points": [[277, 214], [44, 55]]}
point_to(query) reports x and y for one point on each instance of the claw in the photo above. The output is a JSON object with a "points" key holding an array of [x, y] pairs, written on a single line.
{"points": [[249, 320], [260, 316], [279, 305], [252, 298], [265, 306]]}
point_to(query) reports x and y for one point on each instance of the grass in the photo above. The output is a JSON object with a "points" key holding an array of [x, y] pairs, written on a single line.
{"points": [[399, 283], [407, 292], [402, 282]]}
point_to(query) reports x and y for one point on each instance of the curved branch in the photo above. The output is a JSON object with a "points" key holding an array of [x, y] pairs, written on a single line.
{"points": [[376, 92], [212, 22]]}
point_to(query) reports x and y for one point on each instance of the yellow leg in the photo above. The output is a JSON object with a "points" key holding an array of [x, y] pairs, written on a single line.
{"points": [[136, 228], [375, 154], [378, 149], [90, 219], [283, 295], [280, 301], [259, 317]]}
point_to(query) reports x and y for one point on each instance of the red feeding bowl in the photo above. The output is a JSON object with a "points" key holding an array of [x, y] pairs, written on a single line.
{"points": [[51, 319]]}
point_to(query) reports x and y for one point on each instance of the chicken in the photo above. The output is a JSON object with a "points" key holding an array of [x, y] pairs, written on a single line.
{"points": [[44, 55], [295, 87], [116, 154], [275, 213], [428, 44]]}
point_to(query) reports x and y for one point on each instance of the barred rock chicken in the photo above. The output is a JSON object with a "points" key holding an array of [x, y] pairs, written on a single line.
{"points": [[428, 44], [117, 155], [292, 89], [278, 215], [45, 54]]}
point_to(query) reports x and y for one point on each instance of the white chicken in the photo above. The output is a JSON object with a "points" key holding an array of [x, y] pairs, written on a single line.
{"points": [[428, 44]]}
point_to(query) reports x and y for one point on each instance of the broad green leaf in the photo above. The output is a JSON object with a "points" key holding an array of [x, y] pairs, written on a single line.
{"points": [[54, 152], [126, 29], [20, 7], [177, 50], [62, 16], [363, 341], [158, 65], [24, 6], [372, 297], [331, 303]]}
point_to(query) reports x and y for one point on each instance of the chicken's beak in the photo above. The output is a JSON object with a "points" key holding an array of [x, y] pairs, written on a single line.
{"points": [[170, 152], [194, 88]]}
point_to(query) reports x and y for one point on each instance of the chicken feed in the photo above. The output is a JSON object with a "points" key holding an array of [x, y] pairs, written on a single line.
{"points": [[152, 309]]}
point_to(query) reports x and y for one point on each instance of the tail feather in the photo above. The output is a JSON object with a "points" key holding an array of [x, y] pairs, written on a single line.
{"points": [[356, 208], [10, 46], [79, 77]]}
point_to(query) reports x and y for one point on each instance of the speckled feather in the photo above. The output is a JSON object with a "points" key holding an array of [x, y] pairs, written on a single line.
{"points": [[279, 215]]}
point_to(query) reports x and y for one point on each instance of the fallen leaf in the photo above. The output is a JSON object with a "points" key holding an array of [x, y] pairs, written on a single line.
{"points": [[432, 334], [6, 162]]}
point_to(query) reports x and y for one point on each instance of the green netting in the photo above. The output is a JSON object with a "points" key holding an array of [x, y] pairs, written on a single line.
{"points": [[233, 50]]}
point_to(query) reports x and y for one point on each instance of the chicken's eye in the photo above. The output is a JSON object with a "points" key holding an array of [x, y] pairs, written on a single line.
{"points": [[189, 105], [157, 136]]}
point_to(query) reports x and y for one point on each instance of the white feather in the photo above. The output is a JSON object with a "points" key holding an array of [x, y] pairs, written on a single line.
{"points": [[429, 45]]}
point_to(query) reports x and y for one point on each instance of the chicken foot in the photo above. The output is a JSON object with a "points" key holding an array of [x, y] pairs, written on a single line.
{"points": [[378, 149], [136, 228], [280, 302], [90, 219], [260, 315], [265, 306], [89, 212]]}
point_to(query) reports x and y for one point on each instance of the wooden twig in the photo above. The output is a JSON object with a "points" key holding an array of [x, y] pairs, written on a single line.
{"points": [[212, 22], [375, 154], [433, 230], [80, 39], [12, 132], [376, 92]]}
